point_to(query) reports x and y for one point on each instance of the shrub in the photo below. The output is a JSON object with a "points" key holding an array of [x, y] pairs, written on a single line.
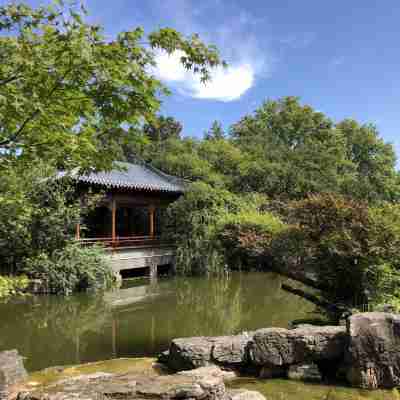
{"points": [[351, 248], [192, 224], [38, 219], [37, 215], [71, 269], [12, 285], [246, 237]]}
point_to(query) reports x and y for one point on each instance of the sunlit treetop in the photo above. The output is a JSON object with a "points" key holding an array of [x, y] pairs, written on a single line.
{"points": [[68, 92]]}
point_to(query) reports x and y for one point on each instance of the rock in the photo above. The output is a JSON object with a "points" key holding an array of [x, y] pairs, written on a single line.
{"points": [[195, 352], [203, 385], [374, 350], [189, 353], [12, 370], [212, 370], [243, 394], [305, 372], [163, 357], [95, 375], [278, 346], [230, 350]]}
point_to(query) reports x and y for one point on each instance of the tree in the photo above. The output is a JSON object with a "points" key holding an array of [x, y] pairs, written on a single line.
{"points": [[373, 161], [350, 248], [163, 128], [292, 150], [216, 132], [67, 93]]}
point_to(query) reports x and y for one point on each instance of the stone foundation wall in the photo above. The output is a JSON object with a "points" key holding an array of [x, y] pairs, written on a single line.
{"points": [[147, 257]]}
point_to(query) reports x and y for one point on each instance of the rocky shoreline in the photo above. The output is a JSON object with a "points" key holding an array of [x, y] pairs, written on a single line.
{"points": [[365, 353]]}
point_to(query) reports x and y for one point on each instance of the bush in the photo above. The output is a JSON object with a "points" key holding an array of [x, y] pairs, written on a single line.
{"points": [[38, 219], [246, 237], [192, 224], [71, 269], [12, 285], [351, 248], [37, 215]]}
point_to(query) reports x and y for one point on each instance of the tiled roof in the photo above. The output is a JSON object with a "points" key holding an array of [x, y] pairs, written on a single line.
{"points": [[138, 176]]}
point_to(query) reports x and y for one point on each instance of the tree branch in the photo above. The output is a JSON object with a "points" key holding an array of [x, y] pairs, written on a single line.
{"points": [[9, 80], [14, 137], [31, 117]]}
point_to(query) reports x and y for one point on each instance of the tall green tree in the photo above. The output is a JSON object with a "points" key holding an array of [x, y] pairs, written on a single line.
{"points": [[292, 150], [373, 162], [215, 132], [67, 92], [163, 128]]}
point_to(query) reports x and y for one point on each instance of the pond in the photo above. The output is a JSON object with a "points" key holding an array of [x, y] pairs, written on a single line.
{"points": [[141, 318]]}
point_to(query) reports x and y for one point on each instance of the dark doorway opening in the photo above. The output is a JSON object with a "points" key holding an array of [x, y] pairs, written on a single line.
{"points": [[164, 270], [135, 273]]}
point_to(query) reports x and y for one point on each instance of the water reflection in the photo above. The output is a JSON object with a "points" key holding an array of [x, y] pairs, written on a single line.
{"points": [[140, 320]]}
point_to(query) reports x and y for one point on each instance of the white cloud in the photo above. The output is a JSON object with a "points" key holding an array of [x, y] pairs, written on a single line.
{"points": [[226, 84], [236, 33]]}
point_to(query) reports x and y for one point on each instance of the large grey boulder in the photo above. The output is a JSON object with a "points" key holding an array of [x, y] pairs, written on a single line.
{"points": [[373, 354], [230, 350], [195, 352], [283, 347], [12, 370], [201, 384], [189, 353]]}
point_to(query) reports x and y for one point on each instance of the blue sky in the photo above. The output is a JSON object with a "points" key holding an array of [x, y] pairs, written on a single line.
{"points": [[341, 57]]}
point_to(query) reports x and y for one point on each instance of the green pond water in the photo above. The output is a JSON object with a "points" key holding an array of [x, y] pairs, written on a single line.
{"points": [[141, 318]]}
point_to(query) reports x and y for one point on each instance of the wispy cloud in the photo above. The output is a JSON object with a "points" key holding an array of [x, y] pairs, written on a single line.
{"points": [[226, 84], [234, 33]]}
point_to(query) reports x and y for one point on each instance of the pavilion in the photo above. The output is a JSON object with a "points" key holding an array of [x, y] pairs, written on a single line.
{"points": [[130, 216]]}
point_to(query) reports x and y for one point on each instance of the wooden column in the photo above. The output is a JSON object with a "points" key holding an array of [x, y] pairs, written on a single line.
{"points": [[113, 220], [152, 211], [78, 231]]}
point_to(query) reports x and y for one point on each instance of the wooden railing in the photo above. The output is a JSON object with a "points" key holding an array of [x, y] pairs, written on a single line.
{"points": [[127, 241]]}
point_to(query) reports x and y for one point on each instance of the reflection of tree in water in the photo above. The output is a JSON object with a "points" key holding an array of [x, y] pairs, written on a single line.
{"points": [[236, 303], [52, 330], [212, 306]]}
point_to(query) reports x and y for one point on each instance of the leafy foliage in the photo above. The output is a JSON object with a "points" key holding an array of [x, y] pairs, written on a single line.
{"points": [[37, 227], [36, 215], [163, 128], [193, 220], [246, 237], [69, 94], [12, 285], [71, 269], [349, 246], [292, 150]]}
